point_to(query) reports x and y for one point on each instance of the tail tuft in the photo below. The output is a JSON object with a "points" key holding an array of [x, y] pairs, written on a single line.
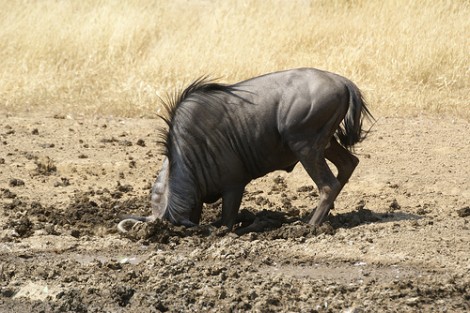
{"points": [[350, 131]]}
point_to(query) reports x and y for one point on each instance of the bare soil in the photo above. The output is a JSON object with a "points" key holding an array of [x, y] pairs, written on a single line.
{"points": [[398, 239]]}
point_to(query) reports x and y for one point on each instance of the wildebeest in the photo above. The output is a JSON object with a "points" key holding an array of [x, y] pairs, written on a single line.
{"points": [[220, 137]]}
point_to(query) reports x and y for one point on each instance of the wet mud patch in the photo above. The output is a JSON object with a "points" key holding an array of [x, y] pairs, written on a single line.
{"points": [[86, 214]]}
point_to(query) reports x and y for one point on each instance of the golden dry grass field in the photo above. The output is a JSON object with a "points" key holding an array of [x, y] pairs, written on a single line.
{"points": [[117, 57]]}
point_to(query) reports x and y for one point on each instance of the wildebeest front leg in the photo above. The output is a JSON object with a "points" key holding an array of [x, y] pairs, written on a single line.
{"points": [[231, 200]]}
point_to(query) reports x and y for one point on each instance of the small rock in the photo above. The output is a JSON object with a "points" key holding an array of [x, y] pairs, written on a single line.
{"points": [[421, 211], [124, 188], [64, 182], [122, 295], [464, 212], [15, 182], [7, 292], [394, 206], [141, 143], [305, 189], [7, 194], [51, 230], [75, 233], [412, 301], [23, 227], [125, 143], [45, 166], [113, 265], [353, 310]]}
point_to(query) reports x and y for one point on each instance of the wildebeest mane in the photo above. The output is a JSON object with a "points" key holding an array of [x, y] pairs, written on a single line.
{"points": [[203, 90]]}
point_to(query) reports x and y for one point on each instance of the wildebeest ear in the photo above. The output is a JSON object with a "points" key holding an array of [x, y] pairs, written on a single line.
{"points": [[159, 199]]}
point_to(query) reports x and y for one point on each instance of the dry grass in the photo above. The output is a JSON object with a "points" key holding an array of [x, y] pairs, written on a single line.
{"points": [[116, 57]]}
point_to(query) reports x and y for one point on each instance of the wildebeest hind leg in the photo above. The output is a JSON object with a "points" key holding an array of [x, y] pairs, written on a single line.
{"points": [[342, 159], [328, 185]]}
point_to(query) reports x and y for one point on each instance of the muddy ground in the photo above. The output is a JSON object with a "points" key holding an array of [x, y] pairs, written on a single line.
{"points": [[398, 239]]}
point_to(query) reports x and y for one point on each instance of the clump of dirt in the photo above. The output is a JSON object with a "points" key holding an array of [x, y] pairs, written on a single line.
{"points": [[45, 166], [7, 193], [22, 227], [298, 230], [70, 301], [158, 231], [15, 182], [113, 141]]}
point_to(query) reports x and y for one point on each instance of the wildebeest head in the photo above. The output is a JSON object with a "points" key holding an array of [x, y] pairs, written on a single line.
{"points": [[173, 205]]}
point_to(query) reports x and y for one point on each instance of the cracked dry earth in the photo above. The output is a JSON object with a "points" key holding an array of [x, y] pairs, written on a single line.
{"points": [[398, 239]]}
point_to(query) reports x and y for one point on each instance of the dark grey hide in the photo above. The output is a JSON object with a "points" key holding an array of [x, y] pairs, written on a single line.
{"points": [[220, 137]]}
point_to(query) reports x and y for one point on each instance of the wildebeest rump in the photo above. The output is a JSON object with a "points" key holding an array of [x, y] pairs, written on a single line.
{"points": [[220, 137]]}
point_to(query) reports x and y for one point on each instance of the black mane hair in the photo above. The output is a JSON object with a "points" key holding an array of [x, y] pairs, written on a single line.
{"points": [[204, 88]]}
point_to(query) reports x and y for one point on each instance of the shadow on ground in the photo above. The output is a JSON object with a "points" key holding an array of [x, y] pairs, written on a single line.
{"points": [[266, 225]]}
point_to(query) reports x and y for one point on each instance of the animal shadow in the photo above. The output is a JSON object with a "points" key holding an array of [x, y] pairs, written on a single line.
{"points": [[267, 220]]}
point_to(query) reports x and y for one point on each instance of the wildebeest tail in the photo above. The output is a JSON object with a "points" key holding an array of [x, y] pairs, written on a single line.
{"points": [[350, 131]]}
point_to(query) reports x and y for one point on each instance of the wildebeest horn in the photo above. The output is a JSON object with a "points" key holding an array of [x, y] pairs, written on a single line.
{"points": [[159, 200]]}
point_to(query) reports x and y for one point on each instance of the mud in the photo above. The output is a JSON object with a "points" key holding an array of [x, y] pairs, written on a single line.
{"points": [[398, 239]]}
